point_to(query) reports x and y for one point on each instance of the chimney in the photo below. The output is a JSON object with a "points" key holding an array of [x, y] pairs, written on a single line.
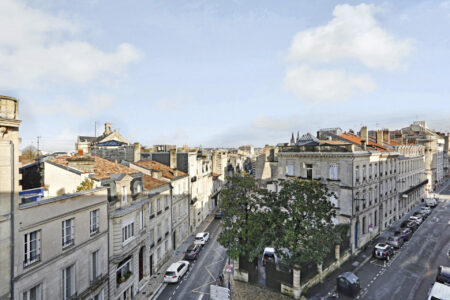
{"points": [[173, 158], [175, 172], [137, 152], [379, 137], [82, 163], [364, 137], [386, 136], [108, 128], [156, 174]]}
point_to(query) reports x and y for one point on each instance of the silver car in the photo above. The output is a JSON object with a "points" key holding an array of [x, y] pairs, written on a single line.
{"points": [[395, 241]]}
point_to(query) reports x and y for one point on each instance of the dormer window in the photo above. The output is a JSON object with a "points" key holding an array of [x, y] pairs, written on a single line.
{"points": [[124, 194], [138, 188]]}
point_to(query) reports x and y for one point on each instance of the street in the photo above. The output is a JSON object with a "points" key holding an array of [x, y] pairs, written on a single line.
{"points": [[411, 273], [204, 270]]}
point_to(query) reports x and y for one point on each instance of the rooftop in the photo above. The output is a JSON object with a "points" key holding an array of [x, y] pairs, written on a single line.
{"points": [[151, 183], [166, 171]]}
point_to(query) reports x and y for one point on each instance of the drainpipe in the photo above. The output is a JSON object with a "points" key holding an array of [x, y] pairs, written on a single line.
{"points": [[107, 214], [12, 217], [351, 216]]}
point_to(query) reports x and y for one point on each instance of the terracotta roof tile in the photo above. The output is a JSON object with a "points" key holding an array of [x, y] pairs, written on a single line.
{"points": [[151, 183], [167, 172], [357, 140], [102, 169]]}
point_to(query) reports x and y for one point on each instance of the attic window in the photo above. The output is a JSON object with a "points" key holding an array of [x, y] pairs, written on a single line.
{"points": [[124, 194], [138, 188]]}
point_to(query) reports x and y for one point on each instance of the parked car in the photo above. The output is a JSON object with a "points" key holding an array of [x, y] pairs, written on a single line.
{"points": [[404, 224], [201, 238], [439, 291], [348, 283], [383, 251], [413, 225], [405, 233], [416, 219], [269, 255], [431, 202], [176, 271], [395, 241], [192, 252], [443, 275], [219, 215], [426, 209], [420, 214]]}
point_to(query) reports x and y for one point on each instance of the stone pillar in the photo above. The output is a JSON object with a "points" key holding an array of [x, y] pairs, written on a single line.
{"points": [[236, 265], [319, 269], [296, 282], [337, 254]]}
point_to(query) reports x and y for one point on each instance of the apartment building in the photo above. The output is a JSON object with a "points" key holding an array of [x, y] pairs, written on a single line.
{"points": [[61, 247], [359, 173], [9, 187]]}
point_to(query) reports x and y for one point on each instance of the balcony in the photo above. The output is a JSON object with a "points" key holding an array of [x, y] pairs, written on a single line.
{"points": [[167, 207], [95, 279], [152, 216], [159, 239], [152, 245], [159, 212], [167, 233]]}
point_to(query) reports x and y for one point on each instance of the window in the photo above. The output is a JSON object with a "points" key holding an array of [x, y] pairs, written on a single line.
{"points": [[150, 209], [158, 205], [333, 172], [69, 282], [34, 293], [370, 170], [123, 271], [95, 266], [166, 201], [357, 174], [138, 188], [167, 226], [364, 172], [67, 233], [290, 169], [124, 194], [127, 232], [357, 201], [141, 219], [94, 221], [375, 219], [364, 225], [32, 247], [158, 254], [166, 246], [158, 232], [99, 296], [309, 171], [152, 237]]}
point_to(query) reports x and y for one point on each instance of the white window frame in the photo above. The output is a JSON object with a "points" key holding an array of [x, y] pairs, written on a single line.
{"points": [[99, 296], [141, 219], [68, 238], [290, 169], [94, 218], [27, 294], [32, 254], [334, 171], [127, 232], [72, 286], [166, 201], [95, 265], [124, 194], [150, 209], [158, 204]]}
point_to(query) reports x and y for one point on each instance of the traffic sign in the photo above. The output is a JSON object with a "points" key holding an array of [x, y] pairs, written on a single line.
{"points": [[228, 268]]}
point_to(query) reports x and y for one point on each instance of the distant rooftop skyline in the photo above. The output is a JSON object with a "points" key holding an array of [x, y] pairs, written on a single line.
{"points": [[222, 73]]}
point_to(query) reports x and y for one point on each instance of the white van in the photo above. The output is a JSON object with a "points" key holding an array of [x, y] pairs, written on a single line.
{"points": [[439, 291], [431, 202]]}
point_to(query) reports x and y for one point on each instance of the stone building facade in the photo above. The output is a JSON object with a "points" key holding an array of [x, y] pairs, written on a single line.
{"points": [[61, 247], [9, 187]]}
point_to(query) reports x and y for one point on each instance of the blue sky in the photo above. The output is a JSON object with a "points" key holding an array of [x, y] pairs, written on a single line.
{"points": [[222, 73]]}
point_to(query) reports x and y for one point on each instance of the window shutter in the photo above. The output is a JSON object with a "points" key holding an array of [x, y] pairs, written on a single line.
{"points": [[38, 242], [72, 280]]}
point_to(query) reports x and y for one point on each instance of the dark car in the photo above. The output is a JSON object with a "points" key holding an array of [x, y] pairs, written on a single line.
{"points": [[413, 225], [219, 215], [404, 224], [395, 241], [405, 233], [383, 251], [192, 252], [443, 275], [348, 284]]}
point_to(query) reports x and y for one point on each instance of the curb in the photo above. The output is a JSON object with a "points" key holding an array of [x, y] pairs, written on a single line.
{"points": [[362, 264], [156, 292]]}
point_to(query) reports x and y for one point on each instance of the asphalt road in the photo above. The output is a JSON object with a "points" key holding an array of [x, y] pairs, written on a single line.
{"points": [[204, 270], [412, 271]]}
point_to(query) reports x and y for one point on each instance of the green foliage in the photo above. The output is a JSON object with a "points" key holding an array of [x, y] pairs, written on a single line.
{"points": [[87, 184], [343, 231], [298, 218]]}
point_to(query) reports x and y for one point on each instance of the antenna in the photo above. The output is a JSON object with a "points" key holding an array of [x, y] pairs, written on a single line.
{"points": [[38, 137]]}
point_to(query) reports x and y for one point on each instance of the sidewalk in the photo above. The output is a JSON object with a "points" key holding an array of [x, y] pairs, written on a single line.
{"points": [[156, 283], [355, 262]]}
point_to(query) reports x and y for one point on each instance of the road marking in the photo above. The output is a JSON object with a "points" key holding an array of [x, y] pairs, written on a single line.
{"points": [[173, 293], [200, 297], [177, 287]]}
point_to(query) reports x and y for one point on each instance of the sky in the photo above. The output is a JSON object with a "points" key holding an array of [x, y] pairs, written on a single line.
{"points": [[222, 73]]}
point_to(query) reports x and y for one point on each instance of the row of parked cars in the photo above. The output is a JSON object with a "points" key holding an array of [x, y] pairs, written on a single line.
{"points": [[177, 270], [385, 250]]}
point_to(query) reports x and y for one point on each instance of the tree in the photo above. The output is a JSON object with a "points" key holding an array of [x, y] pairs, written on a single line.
{"points": [[30, 152], [304, 215], [242, 223], [87, 184]]}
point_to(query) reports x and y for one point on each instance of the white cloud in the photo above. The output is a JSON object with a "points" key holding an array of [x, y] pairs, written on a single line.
{"points": [[37, 47], [326, 85], [97, 103], [352, 36]]}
